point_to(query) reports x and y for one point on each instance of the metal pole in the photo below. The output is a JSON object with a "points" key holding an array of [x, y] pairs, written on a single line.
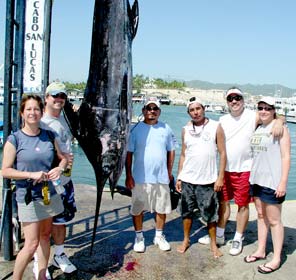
{"points": [[47, 32], [19, 61], [7, 214]]}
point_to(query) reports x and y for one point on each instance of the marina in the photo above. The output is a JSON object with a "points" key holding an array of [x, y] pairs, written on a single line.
{"points": [[176, 117]]}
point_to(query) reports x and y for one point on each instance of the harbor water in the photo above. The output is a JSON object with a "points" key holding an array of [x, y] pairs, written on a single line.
{"points": [[176, 117]]}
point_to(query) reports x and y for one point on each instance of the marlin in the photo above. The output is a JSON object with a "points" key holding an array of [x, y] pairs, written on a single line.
{"points": [[101, 125]]}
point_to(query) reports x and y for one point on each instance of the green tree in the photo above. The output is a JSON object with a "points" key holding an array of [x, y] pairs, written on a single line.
{"points": [[139, 82]]}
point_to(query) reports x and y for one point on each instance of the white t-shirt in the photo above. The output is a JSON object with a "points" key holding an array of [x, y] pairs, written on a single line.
{"points": [[60, 127], [238, 132], [200, 164]]}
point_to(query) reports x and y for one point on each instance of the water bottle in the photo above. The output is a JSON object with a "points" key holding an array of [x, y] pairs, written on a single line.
{"points": [[58, 186]]}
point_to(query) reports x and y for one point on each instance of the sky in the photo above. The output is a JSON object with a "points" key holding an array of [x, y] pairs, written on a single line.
{"points": [[220, 41]]}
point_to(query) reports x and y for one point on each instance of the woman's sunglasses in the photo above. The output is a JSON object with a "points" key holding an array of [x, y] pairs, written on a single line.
{"points": [[260, 108]]}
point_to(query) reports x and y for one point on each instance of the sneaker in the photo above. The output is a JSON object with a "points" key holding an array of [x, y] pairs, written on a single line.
{"points": [[139, 245], [63, 263], [162, 243], [35, 271], [236, 247], [206, 240]]}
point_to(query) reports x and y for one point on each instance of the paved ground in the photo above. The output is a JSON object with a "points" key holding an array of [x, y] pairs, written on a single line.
{"points": [[113, 257]]}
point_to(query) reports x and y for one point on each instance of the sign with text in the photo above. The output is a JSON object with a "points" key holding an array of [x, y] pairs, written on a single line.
{"points": [[34, 46]]}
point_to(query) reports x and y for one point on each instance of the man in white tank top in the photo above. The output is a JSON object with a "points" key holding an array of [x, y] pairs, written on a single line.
{"points": [[198, 178]]}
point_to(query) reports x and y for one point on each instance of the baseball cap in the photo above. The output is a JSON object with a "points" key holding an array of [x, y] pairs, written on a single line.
{"points": [[194, 100], [55, 88], [234, 90], [268, 100], [152, 99]]}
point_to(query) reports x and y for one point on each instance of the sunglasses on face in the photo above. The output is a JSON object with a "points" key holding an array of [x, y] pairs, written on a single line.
{"points": [[148, 108], [60, 95], [230, 98], [260, 108]]}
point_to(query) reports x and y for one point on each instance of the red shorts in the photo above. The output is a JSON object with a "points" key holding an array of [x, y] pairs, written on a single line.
{"points": [[237, 186]]}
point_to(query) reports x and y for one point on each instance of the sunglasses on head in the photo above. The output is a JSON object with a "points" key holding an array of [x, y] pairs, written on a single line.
{"points": [[192, 99], [260, 108], [148, 108], [230, 98], [60, 95]]}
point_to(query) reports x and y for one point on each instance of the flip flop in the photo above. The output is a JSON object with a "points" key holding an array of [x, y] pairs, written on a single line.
{"points": [[266, 271], [251, 259]]}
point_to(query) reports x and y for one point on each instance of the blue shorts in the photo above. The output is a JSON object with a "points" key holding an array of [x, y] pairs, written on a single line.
{"points": [[266, 195], [69, 205]]}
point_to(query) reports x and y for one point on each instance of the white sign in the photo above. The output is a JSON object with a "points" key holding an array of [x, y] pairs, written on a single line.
{"points": [[34, 45]]}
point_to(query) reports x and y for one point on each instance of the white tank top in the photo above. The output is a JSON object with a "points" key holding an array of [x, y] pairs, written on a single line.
{"points": [[267, 164], [200, 164], [238, 132]]}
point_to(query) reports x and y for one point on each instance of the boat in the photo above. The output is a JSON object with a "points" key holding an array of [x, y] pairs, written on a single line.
{"points": [[291, 120], [164, 100], [215, 108], [291, 117], [138, 98]]}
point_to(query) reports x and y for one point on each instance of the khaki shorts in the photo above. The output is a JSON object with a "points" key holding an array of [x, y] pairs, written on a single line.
{"points": [[36, 211], [151, 197]]}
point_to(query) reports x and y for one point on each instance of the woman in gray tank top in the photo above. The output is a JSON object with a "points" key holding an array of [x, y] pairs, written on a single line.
{"points": [[27, 157], [268, 179]]}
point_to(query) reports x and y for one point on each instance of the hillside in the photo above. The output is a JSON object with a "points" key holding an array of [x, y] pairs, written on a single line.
{"points": [[266, 89]]}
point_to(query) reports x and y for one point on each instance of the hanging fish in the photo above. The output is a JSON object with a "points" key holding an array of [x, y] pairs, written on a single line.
{"points": [[101, 125]]}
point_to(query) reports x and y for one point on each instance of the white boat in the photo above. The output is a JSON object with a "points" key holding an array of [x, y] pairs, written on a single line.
{"points": [[209, 108], [215, 108], [138, 98], [165, 100], [291, 119]]}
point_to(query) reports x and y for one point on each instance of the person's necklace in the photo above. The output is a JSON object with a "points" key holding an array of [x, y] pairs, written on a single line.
{"points": [[198, 129]]}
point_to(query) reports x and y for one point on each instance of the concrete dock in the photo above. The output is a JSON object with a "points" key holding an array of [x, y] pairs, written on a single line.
{"points": [[113, 256]]}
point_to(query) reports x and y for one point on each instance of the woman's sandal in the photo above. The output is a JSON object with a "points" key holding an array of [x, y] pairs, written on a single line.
{"points": [[251, 259]]}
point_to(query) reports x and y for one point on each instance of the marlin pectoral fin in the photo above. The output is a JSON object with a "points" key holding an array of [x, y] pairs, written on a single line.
{"points": [[112, 186], [71, 118], [123, 190]]}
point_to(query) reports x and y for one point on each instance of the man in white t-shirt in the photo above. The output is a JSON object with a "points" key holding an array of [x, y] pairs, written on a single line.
{"points": [[238, 127], [53, 119]]}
